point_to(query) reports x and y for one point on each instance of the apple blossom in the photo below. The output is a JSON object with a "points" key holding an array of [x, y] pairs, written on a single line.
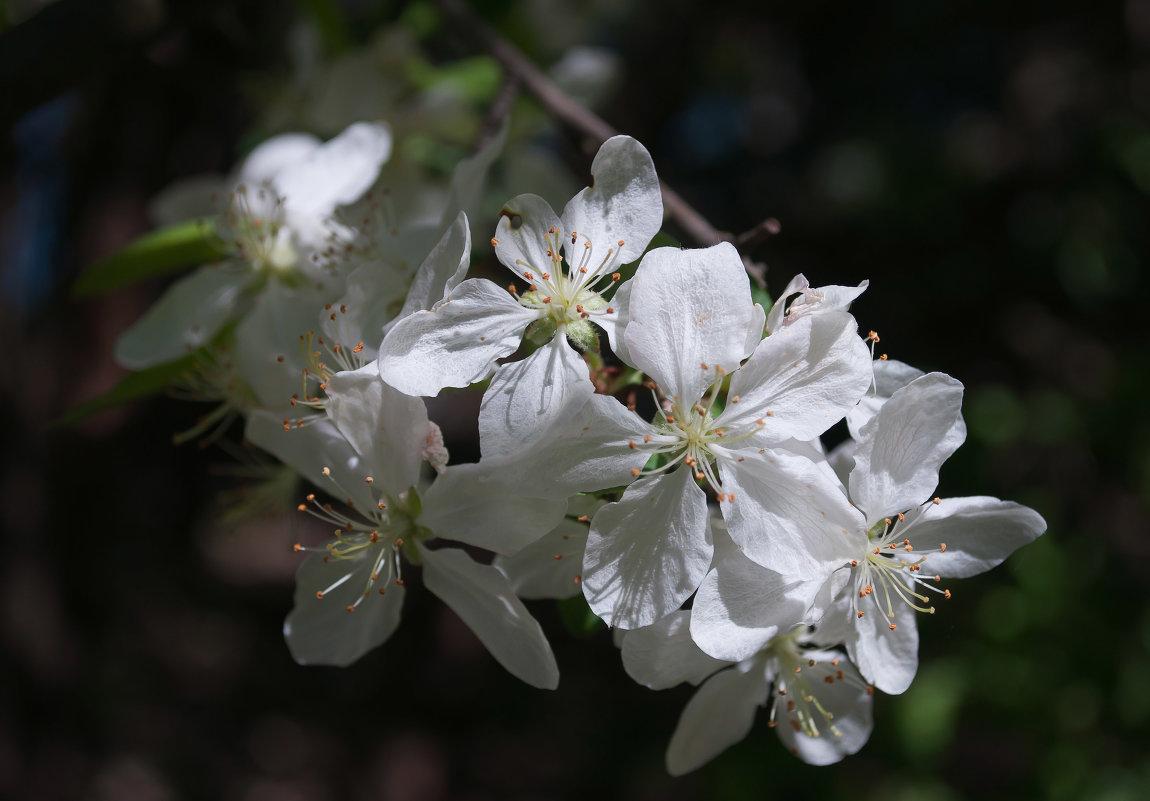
{"points": [[278, 218], [349, 592], [819, 705]]}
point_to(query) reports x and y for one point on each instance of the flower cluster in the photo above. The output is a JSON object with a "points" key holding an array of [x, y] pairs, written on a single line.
{"points": [[673, 475]]}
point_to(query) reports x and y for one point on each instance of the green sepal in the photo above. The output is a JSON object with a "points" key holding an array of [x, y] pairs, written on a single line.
{"points": [[168, 250], [540, 332], [577, 616]]}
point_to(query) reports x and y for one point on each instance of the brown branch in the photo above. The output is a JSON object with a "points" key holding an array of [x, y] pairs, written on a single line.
{"points": [[498, 112], [568, 111], [753, 237]]}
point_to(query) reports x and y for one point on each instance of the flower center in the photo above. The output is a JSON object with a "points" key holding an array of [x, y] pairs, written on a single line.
{"points": [[802, 673], [570, 291], [254, 225], [891, 571], [688, 433], [380, 536], [212, 378]]}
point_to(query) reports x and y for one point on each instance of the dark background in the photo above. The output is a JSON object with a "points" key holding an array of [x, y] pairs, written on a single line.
{"points": [[985, 165]]}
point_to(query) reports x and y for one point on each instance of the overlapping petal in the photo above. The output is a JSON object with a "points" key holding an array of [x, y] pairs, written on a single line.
{"points": [[457, 342], [186, 317], [689, 313], [902, 448], [321, 631], [483, 598], [800, 380], [647, 552]]}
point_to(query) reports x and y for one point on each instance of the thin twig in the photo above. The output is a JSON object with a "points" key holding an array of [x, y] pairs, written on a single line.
{"points": [[568, 111], [753, 237], [498, 112]]}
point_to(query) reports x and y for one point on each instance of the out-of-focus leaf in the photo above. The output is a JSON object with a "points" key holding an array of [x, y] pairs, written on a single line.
{"points": [[330, 22], [476, 78], [177, 247], [133, 386]]}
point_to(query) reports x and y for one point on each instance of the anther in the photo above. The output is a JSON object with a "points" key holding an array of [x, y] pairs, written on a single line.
{"points": [[582, 518], [319, 595], [893, 627], [616, 276], [368, 480], [494, 242], [635, 471], [942, 547], [936, 501]]}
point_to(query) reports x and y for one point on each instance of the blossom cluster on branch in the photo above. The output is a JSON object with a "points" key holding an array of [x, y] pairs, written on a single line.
{"points": [[649, 437]]}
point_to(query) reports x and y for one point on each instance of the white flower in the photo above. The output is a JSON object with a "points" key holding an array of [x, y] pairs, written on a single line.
{"points": [[349, 593], [568, 264], [691, 324], [820, 706], [278, 217], [817, 300], [289, 378], [871, 566]]}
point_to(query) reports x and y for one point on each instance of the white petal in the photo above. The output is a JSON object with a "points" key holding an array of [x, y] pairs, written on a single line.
{"points": [[689, 314], [598, 447], [442, 270], [888, 659], [842, 460], [621, 301], [901, 449], [373, 297], [267, 345], [269, 158], [198, 196], [789, 514], [718, 715], [386, 427], [801, 379], [483, 598], [624, 202], [775, 318], [551, 566], [337, 172], [320, 631], [308, 450], [890, 376], [527, 397], [846, 699], [185, 318], [663, 654], [457, 342], [979, 533], [740, 606], [754, 331], [522, 237], [476, 504], [647, 552]]}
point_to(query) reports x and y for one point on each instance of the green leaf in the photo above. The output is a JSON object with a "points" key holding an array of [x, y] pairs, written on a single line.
{"points": [[168, 250], [329, 19], [578, 617], [133, 386]]}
